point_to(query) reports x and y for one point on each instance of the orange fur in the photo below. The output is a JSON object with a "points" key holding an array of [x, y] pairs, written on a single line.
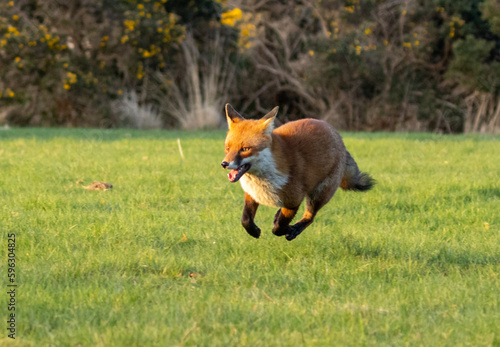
{"points": [[304, 159]]}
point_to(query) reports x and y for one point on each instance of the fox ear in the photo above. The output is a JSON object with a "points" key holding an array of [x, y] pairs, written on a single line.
{"points": [[232, 116], [268, 119]]}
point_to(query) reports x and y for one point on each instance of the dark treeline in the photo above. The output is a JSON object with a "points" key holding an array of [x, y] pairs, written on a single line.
{"points": [[421, 65]]}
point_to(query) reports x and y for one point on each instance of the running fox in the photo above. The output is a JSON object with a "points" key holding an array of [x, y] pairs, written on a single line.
{"points": [[279, 167]]}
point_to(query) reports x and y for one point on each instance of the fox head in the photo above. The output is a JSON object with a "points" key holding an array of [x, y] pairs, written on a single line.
{"points": [[248, 143]]}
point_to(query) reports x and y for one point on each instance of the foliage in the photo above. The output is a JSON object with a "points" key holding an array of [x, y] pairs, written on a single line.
{"points": [[60, 61], [369, 65], [162, 259], [196, 96], [469, 68], [491, 12]]}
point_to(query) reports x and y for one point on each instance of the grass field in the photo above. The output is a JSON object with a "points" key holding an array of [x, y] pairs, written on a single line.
{"points": [[163, 260]]}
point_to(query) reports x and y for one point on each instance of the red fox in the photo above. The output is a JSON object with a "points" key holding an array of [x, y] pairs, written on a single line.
{"points": [[280, 167]]}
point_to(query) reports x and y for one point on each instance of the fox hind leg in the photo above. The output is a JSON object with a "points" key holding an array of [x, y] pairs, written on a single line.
{"points": [[294, 230], [315, 202], [282, 220]]}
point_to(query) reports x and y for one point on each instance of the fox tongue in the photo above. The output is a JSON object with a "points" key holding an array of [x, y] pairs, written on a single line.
{"points": [[232, 174]]}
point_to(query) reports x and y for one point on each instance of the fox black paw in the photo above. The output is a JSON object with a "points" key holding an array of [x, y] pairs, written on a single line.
{"points": [[281, 231], [292, 233], [254, 232]]}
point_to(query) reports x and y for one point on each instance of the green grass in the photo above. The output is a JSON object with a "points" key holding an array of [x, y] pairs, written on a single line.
{"points": [[411, 262]]}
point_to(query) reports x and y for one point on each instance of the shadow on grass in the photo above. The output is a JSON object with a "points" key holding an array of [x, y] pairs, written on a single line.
{"points": [[487, 192], [440, 257]]}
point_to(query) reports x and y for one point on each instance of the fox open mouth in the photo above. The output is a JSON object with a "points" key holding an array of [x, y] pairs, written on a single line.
{"points": [[235, 174]]}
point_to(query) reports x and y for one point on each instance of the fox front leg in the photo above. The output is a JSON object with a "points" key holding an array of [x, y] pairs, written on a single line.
{"points": [[249, 211]]}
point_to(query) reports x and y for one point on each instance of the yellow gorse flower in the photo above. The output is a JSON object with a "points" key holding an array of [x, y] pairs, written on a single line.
{"points": [[129, 24], [248, 30], [349, 9], [231, 17], [72, 78], [140, 71]]}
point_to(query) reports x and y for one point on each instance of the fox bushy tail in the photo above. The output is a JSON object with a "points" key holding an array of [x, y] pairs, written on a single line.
{"points": [[354, 179]]}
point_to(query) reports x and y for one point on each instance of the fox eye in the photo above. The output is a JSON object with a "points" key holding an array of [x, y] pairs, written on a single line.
{"points": [[245, 149]]}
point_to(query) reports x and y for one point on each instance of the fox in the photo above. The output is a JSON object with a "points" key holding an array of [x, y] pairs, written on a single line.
{"points": [[280, 167]]}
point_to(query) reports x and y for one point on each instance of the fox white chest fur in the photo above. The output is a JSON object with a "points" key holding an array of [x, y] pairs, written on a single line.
{"points": [[264, 180], [261, 190]]}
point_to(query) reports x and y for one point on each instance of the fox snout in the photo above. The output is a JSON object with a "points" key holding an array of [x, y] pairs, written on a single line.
{"points": [[230, 164], [231, 160]]}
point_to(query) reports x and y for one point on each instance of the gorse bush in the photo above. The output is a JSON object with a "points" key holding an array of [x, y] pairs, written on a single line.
{"points": [[63, 62], [370, 65]]}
